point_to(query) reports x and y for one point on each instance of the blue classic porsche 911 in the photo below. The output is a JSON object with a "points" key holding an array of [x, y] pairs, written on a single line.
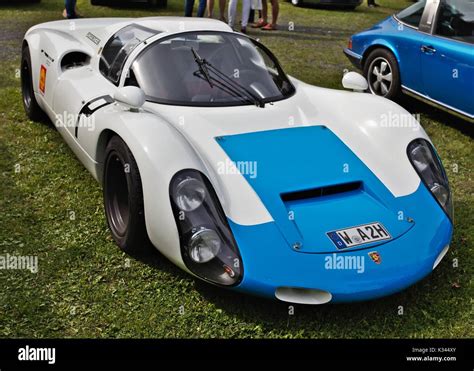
{"points": [[426, 51]]}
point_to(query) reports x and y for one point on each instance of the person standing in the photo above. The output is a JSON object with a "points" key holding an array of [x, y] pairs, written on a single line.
{"points": [[70, 10], [189, 5], [210, 9], [245, 14], [263, 22]]}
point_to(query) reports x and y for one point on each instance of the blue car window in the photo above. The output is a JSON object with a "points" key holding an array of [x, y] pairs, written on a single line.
{"points": [[456, 20], [412, 14]]}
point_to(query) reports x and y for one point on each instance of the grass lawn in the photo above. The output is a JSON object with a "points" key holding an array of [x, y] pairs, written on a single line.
{"points": [[86, 287]]}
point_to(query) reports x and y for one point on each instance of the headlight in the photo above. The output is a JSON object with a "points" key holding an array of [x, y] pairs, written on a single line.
{"points": [[208, 247], [189, 194], [204, 245], [430, 169]]}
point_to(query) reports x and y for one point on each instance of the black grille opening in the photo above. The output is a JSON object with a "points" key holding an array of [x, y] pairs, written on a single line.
{"points": [[321, 192]]}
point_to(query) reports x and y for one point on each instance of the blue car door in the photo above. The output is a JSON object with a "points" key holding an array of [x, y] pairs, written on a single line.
{"points": [[407, 38], [447, 60]]}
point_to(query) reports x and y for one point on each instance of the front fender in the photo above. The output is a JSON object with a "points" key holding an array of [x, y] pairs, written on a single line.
{"points": [[160, 152]]}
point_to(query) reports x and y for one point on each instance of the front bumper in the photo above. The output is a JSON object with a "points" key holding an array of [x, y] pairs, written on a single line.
{"points": [[270, 263], [355, 58]]}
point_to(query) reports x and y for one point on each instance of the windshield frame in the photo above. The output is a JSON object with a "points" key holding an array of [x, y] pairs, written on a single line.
{"points": [[256, 43]]}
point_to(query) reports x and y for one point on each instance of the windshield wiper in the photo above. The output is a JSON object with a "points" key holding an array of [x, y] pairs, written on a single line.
{"points": [[259, 102], [202, 66], [224, 81]]}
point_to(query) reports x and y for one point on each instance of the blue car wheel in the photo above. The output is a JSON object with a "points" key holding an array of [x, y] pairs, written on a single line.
{"points": [[382, 74]]}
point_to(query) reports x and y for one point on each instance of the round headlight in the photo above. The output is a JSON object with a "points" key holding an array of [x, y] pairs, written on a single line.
{"points": [[441, 193], [204, 245], [189, 194], [421, 157]]}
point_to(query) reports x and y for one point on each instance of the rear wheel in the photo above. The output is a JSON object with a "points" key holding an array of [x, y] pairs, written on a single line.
{"points": [[32, 109], [123, 198], [382, 74]]}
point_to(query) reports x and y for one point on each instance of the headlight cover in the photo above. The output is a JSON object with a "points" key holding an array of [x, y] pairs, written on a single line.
{"points": [[428, 165], [208, 247]]}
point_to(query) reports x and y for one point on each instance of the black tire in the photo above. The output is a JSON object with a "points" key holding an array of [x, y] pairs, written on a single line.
{"points": [[382, 73], [123, 198], [32, 109]]}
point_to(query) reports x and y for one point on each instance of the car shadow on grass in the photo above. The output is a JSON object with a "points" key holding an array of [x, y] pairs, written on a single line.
{"points": [[417, 106]]}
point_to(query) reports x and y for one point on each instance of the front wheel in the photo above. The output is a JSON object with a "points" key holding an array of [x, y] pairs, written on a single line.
{"points": [[123, 198], [32, 108], [382, 74]]}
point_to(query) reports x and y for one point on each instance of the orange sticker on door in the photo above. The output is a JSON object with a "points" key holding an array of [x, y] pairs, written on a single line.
{"points": [[42, 79]]}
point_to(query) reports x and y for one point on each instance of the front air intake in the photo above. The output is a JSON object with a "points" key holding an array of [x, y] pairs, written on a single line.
{"points": [[321, 191], [303, 296]]}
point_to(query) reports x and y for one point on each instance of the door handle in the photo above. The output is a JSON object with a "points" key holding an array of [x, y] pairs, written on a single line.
{"points": [[428, 49]]}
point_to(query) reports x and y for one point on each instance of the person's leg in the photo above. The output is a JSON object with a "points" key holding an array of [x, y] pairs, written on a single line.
{"points": [[210, 8], [262, 21], [188, 8], [201, 8], [70, 6], [222, 10], [251, 16], [275, 11], [245, 14], [232, 11]]}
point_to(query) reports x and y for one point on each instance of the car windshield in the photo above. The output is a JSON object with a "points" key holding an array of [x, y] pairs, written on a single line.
{"points": [[209, 69]]}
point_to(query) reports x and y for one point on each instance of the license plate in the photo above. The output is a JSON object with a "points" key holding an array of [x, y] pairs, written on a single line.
{"points": [[359, 235]]}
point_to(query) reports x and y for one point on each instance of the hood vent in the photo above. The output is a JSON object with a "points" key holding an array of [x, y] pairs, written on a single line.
{"points": [[321, 191]]}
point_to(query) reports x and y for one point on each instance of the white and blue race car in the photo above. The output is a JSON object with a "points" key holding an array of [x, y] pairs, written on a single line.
{"points": [[239, 174]]}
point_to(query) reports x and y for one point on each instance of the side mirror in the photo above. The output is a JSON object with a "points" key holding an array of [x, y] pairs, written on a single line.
{"points": [[355, 81], [130, 96]]}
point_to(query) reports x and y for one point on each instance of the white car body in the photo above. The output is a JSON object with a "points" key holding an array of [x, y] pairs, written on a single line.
{"points": [[165, 139]]}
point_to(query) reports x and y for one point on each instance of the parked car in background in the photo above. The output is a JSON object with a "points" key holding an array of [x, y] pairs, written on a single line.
{"points": [[426, 51], [348, 4], [159, 3]]}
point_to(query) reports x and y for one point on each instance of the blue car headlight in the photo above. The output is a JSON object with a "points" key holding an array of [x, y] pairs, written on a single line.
{"points": [[428, 165], [208, 247]]}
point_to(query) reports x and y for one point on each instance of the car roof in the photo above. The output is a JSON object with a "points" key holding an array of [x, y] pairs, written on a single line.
{"points": [[182, 24]]}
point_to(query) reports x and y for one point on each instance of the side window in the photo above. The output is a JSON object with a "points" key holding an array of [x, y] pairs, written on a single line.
{"points": [[119, 47], [456, 20], [412, 14]]}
